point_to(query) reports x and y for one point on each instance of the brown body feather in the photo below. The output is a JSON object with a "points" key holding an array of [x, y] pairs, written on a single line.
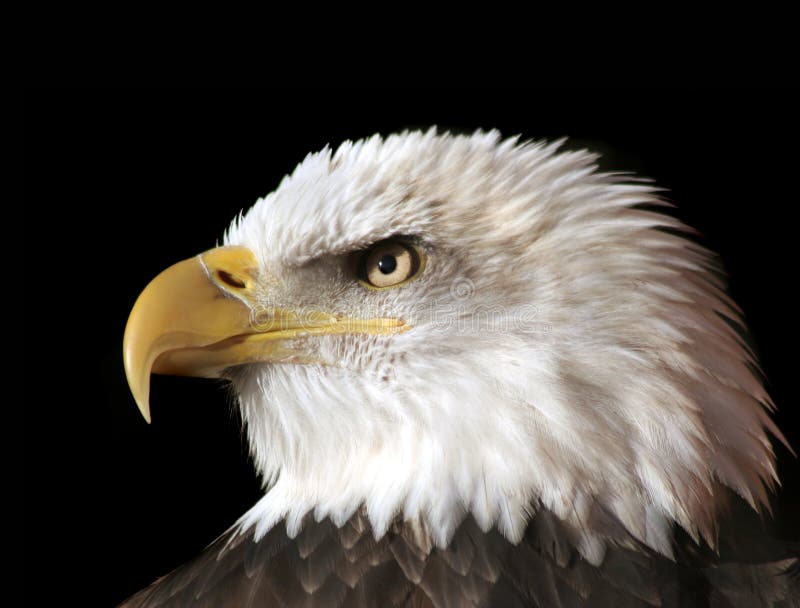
{"points": [[326, 566]]}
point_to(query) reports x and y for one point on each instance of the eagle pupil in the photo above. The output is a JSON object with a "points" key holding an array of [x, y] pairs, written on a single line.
{"points": [[387, 264]]}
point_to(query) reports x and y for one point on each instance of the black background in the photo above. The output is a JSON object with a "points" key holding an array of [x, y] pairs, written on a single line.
{"points": [[119, 184]]}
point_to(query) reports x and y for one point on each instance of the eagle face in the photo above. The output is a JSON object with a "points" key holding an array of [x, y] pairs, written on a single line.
{"points": [[432, 326]]}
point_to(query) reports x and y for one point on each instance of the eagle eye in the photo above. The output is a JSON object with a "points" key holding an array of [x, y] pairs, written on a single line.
{"points": [[389, 263]]}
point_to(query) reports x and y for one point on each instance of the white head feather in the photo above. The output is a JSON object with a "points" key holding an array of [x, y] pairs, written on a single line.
{"points": [[566, 350]]}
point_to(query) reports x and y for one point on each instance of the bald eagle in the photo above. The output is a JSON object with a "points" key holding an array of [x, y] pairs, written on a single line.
{"points": [[472, 372]]}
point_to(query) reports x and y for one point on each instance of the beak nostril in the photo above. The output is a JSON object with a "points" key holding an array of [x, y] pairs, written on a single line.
{"points": [[230, 280]]}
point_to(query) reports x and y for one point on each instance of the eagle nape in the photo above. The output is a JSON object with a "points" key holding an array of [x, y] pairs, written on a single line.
{"points": [[472, 372]]}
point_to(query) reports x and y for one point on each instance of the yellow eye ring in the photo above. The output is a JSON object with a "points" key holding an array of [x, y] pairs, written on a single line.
{"points": [[389, 263]]}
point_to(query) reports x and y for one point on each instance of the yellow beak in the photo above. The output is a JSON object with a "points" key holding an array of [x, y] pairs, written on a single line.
{"points": [[201, 316]]}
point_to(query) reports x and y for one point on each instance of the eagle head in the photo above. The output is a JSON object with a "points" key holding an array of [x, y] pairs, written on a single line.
{"points": [[431, 326]]}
